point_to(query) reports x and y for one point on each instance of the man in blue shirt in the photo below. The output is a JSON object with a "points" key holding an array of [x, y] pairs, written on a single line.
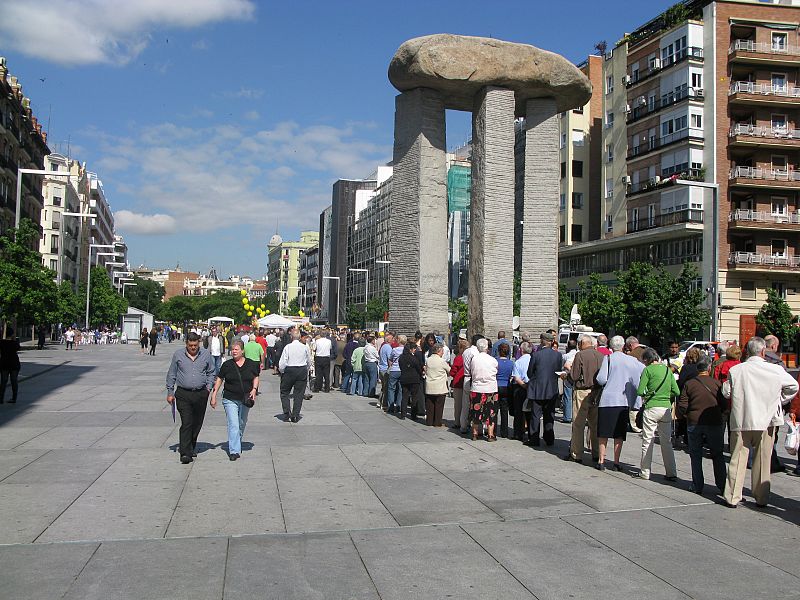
{"points": [[383, 367], [520, 379], [501, 339]]}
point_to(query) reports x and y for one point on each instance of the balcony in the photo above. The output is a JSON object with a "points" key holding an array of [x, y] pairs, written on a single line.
{"points": [[750, 51], [667, 179], [768, 261], [745, 134], [750, 92], [767, 178], [760, 219], [654, 143], [667, 100], [665, 219], [659, 66]]}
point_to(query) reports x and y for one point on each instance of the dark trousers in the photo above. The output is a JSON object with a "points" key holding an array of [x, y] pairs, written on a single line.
{"points": [[322, 373], [384, 377], [411, 395], [337, 375], [153, 349], [4, 377], [546, 411], [434, 407], [711, 436], [504, 402], [293, 381], [191, 407], [519, 395]]}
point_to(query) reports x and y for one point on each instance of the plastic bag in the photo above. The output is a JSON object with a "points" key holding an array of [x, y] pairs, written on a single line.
{"points": [[792, 438]]}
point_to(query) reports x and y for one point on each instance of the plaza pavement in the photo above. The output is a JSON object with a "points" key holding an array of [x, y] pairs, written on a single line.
{"points": [[347, 503]]}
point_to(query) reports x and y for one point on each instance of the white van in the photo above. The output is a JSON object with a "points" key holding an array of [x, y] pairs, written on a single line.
{"points": [[573, 333]]}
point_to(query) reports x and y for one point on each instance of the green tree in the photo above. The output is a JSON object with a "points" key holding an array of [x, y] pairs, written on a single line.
{"points": [[105, 304], [565, 302], [145, 295], [377, 307], [640, 294], [775, 318], [181, 309], [355, 316], [599, 305], [458, 308], [294, 306], [517, 294], [27, 289], [68, 307], [681, 312], [222, 304]]}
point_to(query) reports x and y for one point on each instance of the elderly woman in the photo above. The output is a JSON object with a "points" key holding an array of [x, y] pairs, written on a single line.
{"points": [[483, 392], [410, 379], [657, 387], [394, 396], [733, 356], [619, 375], [457, 373], [241, 385], [436, 372], [505, 370]]}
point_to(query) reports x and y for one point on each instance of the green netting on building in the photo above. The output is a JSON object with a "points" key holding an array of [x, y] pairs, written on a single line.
{"points": [[459, 185]]}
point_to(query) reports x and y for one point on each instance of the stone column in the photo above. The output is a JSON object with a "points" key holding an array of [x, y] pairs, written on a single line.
{"points": [[418, 217], [539, 305], [491, 253]]}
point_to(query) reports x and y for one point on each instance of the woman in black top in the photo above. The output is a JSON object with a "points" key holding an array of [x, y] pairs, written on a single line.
{"points": [[410, 379], [9, 365], [143, 339], [241, 385], [153, 341]]}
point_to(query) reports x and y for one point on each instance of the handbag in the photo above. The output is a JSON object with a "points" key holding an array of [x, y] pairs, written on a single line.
{"points": [[640, 413], [247, 401]]}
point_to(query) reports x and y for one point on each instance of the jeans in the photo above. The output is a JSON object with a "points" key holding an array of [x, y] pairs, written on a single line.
{"points": [[567, 403], [660, 418], [712, 436], [356, 383], [394, 394], [504, 403], [370, 378], [236, 413], [347, 377], [217, 364]]}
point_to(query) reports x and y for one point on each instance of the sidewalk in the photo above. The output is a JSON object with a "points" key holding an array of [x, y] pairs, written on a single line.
{"points": [[347, 503]]}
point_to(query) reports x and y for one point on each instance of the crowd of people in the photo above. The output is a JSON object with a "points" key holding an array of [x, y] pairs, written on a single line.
{"points": [[605, 388]]}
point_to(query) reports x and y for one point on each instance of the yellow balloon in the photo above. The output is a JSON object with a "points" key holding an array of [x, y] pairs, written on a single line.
{"points": [[244, 293], [249, 314], [267, 311], [301, 313], [263, 307]]}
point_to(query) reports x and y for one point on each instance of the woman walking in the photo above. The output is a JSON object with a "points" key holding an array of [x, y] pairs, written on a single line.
{"points": [[153, 341], [239, 395], [436, 371], [9, 365], [143, 339], [410, 380], [657, 388]]}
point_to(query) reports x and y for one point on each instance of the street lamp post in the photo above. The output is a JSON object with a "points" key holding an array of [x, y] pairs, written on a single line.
{"points": [[127, 283], [338, 281], [715, 299], [89, 273]]}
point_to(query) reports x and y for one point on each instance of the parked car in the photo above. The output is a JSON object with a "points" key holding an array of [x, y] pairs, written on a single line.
{"points": [[707, 346]]}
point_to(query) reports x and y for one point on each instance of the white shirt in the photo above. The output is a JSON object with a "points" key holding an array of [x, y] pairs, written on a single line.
{"points": [[69, 335], [323, 347], [214, 346], [483, 367], [757, 389], [468, 355], [295, 354], [271, 339]]}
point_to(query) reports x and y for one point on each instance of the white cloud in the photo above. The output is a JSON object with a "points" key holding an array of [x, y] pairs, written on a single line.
{"points": [[126, 221], [244, 93], [200, 45], [77, 32], [252, 115]]}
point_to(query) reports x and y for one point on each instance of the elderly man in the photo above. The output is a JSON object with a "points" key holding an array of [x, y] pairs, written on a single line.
{"points": [[756, 389], [520, 377], [294, 364], [322, 363], [583, 376], [634, 348], [602, 345], [543, 371]]}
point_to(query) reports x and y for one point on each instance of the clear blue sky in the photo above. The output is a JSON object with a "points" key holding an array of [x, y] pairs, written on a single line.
{"points": [[212, 121]]}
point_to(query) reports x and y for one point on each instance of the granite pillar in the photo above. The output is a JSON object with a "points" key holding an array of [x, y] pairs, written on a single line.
{"points": [[539, 306], [491, 258], [418, 220]]}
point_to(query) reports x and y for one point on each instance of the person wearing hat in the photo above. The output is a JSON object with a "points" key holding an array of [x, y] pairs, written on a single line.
{"points": [[543, 370]]}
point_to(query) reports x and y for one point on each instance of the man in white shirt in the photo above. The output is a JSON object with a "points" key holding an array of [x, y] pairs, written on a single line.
{"points": [[293, 365], [756, 389], [322, 363], [467, 356], [216, 346], [271, 339]]}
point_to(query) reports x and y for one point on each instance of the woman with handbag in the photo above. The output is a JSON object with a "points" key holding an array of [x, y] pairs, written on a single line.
{"points": [[657, 388], [239, 395]]}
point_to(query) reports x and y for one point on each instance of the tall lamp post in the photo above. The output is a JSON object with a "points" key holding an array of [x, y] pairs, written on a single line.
{"points": [[338, 281], [124, 285], [89, 273], [715, 296]]}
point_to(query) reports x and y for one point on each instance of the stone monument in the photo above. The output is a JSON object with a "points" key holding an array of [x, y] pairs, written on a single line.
{"points": [[496, 81]]}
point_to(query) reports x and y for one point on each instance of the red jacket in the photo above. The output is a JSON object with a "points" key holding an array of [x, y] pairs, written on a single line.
{"points": [[457, 372]]}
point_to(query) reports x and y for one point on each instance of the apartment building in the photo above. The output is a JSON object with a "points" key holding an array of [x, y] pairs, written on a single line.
{"points": [[283, 270], [309, 272]]}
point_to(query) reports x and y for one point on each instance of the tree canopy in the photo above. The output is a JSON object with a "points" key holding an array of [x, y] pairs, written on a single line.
{"points": [[775, 318], [145, 295], [105, 304]]}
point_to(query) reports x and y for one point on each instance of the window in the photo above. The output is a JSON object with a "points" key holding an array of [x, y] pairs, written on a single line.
{"points": [[779, 42], [563, 170], [609, 188], [562, 202], [53, 264], [779, 162], [667, 127], [54, 167], [697, 80], [651, 215], [561, 234], [577, 168], [779, 248], [609, 119], [609, 223], [578, 111], [779, 82], [747, 291], [56, 201], [634, 219], [577, 137], [609, 84], [779, 206], [609, 153], [697, 121], [779, 124], [563, 141], [577, 200], [577, 233]]}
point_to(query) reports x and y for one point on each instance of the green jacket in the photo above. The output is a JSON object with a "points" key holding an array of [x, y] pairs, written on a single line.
{"points": [[657, 386], [358, 359]]}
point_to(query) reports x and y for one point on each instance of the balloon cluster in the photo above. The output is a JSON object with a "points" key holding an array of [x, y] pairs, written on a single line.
{"points": [[252, 309]]}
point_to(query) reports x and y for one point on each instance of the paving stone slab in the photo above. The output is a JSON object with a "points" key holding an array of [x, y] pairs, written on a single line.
{"points": [[311, 461], [12, 461], [67, 437], [135, 437], [146, 464], [13, 436], [66, 466], [27, 509], [42, 571], [454, 457], [154, 570], [380, 459], [297, 567]]}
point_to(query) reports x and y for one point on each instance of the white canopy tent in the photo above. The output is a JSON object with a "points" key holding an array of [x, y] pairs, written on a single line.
{"points": [[275, 321], [219, 320]]}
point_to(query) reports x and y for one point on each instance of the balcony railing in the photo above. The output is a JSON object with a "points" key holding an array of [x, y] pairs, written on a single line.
{"points": [[762, 216], [763, 89], [764, 132], [670, 99], [768, 260], [764, 174], [665, 219], [655, 143], [685, 54], [762, 48]]}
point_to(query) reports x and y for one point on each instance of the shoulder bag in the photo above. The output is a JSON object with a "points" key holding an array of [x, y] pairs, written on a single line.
{"points": [[247, 400], [640, 413]]}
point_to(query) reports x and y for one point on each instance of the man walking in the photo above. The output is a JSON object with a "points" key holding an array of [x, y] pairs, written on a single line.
{"points": [[215, 344], [322, 364], [583, 375], [543, 372], [190, 378], [293, 365], [383, 367], [756, 390]]}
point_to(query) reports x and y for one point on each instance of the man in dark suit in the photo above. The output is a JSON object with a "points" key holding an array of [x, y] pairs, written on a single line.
{"points": [[543, 393]]}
